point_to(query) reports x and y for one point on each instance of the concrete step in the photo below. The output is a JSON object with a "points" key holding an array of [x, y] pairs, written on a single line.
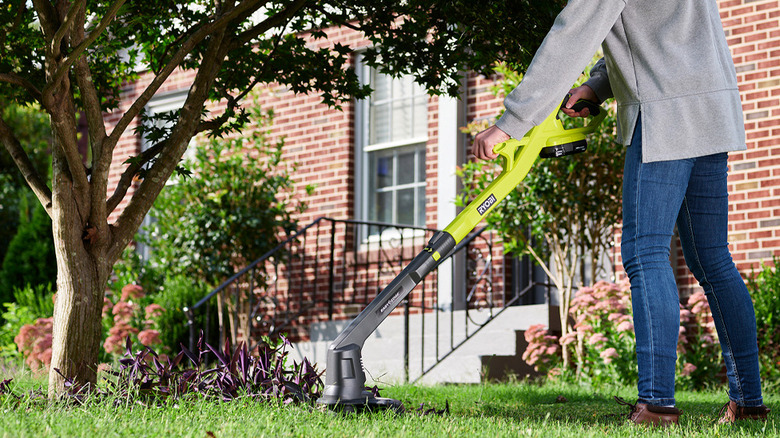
{"points": [[383, 352]]}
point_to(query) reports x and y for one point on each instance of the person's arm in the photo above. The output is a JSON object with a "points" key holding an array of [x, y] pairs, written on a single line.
{"points": [[576, 35]]}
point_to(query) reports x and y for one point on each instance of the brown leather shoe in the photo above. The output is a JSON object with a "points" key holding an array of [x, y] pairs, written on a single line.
{"points": [[730, 413], [642, 413]]}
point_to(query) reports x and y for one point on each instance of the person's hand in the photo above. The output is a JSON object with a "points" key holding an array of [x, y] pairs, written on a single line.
{"points": [[581, 92], [484, 141]]}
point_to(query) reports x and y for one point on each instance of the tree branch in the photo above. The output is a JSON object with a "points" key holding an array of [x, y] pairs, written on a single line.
{"points": [[276, 20], [66, 63], [127, 176], [18, 80], [181, 134], [184, 49], [30, 174], [96, 131], [64, 26], [47, 16]]}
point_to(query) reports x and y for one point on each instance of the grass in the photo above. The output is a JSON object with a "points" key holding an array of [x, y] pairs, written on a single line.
{"points": [[518, 409]]}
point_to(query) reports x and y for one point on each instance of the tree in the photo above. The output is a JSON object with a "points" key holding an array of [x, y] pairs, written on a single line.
{"points": [[73, 56], [563, 213]]}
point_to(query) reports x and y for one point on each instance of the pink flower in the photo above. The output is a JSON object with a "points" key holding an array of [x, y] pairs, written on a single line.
{"points": [[568, 338], [153, 311], [688, 368], [149, 337], [597, 338], [625, 326], [608, 354], [123, 311], [132, 291]]}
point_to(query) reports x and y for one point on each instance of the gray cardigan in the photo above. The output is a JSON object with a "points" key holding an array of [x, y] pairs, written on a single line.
{"points": [[664, 59]]}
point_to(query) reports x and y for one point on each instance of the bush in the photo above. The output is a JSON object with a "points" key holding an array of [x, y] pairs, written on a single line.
{"points": [[765, 289], [229, 212], [603, 337], [176, 293], [698, 351], [31, 303], [605, 345], [30, 258]]}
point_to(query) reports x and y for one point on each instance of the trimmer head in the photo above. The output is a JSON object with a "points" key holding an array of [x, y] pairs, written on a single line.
{"points": [[369, 404]]}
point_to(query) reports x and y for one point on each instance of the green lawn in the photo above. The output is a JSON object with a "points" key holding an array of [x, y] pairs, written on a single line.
{"points": [[518, 409]]}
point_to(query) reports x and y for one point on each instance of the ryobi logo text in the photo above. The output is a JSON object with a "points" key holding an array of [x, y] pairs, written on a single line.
{"points": [[485, 206]]}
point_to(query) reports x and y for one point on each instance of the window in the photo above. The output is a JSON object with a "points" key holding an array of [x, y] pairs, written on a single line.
{"points": [[392, 134]]}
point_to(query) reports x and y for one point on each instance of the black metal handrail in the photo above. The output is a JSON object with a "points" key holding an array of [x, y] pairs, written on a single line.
{"points": [[331, 268]]}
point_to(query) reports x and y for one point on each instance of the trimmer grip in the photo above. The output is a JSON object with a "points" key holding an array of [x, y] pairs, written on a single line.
{"points": [[581, 104]]}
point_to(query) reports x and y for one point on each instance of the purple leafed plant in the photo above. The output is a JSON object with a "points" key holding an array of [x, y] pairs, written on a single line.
{"points": [[218, 373]]}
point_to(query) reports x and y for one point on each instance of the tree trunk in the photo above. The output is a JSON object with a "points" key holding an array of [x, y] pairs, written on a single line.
{"points": [[82, 275]]}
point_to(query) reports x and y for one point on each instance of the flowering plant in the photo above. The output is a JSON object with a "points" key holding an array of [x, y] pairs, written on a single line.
{"points": [[698, 351], [603, 337], [132, 315]]}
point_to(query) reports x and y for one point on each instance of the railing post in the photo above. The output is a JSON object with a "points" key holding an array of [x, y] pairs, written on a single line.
{"points": [[191, 325], [330, 269]]}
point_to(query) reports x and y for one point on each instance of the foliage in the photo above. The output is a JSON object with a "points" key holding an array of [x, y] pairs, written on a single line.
{"points": [[229, 212], [176, 293], [263, 376], [29, 304], [698, 352], [764, 289], [131, 316], [604, 343], [603, 336], [30, 258]]}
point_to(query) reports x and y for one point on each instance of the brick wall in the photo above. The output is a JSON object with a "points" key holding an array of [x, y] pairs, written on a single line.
{"points": [[753, 35]]}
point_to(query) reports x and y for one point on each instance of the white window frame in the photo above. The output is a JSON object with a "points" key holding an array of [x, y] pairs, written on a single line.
{"points": [[362, 167], [160, 104]]}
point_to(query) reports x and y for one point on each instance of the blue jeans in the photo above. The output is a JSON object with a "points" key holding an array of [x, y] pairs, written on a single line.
{"points": [[692, 193]]}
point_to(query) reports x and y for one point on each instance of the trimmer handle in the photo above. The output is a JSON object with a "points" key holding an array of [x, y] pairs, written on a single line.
{"points": [[581, 104]]}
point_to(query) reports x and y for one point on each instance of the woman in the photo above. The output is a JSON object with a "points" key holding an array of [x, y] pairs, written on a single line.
{"points": [[669, 68]]}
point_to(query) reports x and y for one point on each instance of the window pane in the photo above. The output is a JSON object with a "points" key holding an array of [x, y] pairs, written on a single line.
{"points": [[383, 169], [406, 206], [379, 122], [406, 167], [383, 208], [420, 207], [419, 119]]}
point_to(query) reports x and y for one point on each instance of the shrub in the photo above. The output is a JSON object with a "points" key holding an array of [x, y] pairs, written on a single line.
{"points": [[603, 337], [604, 343], [765, 289], [30, 257], [131, 316], [30, 304], [229, 211], [176, 293], [698, 351]]}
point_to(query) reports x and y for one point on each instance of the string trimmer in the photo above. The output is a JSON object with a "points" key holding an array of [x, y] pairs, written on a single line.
{"points": [[345, 379]]}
